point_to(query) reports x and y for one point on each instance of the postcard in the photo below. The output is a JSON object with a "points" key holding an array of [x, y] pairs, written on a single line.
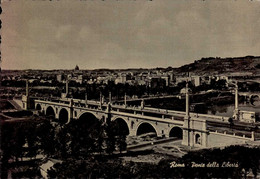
{"points": [[130, 89]]}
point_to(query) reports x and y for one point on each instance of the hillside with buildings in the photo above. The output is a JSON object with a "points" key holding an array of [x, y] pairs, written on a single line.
{"points": [[248, 65]]}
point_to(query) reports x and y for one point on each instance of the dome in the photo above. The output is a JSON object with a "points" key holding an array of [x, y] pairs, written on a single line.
{"points": [[77, 67]]}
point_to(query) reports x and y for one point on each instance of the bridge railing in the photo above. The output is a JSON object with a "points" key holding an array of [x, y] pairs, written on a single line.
{"points": [[250, 136], [158, 113], [146, 111], [208, 116], [182, 114]]}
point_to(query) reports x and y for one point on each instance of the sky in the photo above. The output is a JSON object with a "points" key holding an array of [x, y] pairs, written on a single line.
{"points": [[60, 34]]}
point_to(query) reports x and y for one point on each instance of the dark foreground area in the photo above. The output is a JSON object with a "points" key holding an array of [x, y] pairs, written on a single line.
{"points": [[97, 150], [231, 162]]}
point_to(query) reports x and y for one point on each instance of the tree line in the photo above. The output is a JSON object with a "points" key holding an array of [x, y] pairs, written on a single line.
{"points": [[26, 139]]}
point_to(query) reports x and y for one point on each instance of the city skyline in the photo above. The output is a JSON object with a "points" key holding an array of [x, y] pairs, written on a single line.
{"points": [[125, 34]]}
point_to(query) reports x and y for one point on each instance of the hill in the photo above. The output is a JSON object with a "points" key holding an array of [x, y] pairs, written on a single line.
{"points": [[248, 64]]}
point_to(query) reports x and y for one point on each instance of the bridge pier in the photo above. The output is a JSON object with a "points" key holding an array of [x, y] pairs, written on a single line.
{"points": [[132, 132], [186, 132], [204, 134], [195, 132], [70, 113], [194, 129], [57, 114]]}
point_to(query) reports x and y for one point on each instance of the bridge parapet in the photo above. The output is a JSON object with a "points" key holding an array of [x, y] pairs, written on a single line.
{"points": [[210, 117], [182, 114], [146, 111], [250, 136], [217, 139], [148, 118]]}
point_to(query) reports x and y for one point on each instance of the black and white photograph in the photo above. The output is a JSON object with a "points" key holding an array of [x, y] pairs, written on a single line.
{"points": [[130, 89]]}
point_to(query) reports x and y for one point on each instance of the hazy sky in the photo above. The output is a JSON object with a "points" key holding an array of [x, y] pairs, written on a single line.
{"points": [[59, 34]]}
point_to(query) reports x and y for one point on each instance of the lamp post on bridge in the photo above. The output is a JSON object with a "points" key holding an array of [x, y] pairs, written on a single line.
{"points": [[27, 88], [125, 100], [187, 114], [67, 87], [100, 100], [142, 104], [236, 111], [110, 97], [65, 95], [187, 133]]}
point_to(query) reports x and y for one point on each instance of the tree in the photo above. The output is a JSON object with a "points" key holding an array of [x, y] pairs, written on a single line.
{"points": [[45, 132]]}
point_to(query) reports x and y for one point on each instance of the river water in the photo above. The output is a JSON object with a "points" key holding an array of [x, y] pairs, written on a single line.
{"points": [[228, 110], [225, 110]]}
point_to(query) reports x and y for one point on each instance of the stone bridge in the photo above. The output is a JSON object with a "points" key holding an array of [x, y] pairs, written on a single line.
{"points": [[195, 130], [192, 128], [162, 122]]}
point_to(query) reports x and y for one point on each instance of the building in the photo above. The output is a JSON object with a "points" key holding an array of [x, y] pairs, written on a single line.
{"points": [[197, 80], [156, 81], [79, 79], [167, 80], [60, 78]]}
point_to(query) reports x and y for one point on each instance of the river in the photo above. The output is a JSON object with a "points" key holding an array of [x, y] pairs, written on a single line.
{"points": [[228, 110], [215, 108]]}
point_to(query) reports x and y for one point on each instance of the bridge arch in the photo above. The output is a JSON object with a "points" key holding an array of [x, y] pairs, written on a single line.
{"points": [[176, 132], [144, 128], [64, 116], [80, 115], [87, 120], [38, 107], [50, 111], [121, 126]]}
